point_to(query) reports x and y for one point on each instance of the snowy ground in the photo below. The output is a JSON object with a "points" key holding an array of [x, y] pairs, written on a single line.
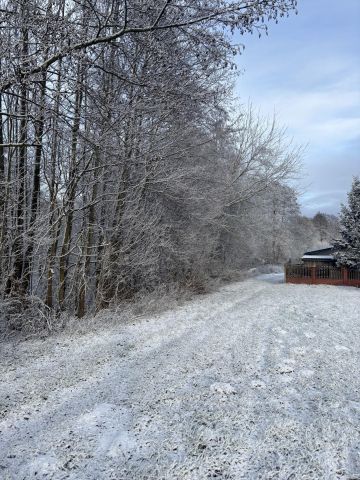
{"points": [[272, 277], [258, 381]]}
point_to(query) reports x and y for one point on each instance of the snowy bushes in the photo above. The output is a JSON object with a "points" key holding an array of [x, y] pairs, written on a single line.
{"points": [[24, 314]]}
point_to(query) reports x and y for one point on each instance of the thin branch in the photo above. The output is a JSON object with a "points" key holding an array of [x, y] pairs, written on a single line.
{"points": [[161, 14]]}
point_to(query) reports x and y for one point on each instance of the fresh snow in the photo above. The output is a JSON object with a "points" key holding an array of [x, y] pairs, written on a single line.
{"points": [[257, 381], [317, 257], [272, 277]]}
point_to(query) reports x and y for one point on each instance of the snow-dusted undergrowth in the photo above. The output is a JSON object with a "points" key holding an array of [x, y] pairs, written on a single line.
{"points": [[257, 381]]}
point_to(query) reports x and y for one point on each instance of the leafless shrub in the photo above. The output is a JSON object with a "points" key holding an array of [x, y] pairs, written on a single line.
{"points": [[25, 315]]}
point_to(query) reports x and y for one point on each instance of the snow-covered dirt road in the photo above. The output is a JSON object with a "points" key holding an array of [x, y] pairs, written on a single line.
{"points": [[258, 381]]}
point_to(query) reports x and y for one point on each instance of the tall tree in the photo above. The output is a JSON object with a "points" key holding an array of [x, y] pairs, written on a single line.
{"points": [[347, 247]]}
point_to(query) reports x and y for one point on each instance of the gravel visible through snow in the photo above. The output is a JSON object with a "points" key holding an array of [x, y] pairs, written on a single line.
{"points": [[257, 381]]}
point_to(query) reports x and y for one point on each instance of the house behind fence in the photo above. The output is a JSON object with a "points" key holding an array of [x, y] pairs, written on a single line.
{"points": [[319, 267]]}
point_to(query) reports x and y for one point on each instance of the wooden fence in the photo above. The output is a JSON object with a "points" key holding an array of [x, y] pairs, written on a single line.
{"points": [[323, 274]]}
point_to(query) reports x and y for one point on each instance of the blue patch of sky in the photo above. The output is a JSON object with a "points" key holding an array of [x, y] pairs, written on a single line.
{"points": [[307, 71]]}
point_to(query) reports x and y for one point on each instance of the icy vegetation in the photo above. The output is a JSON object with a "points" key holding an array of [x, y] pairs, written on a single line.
{"points": [[257, 381]]}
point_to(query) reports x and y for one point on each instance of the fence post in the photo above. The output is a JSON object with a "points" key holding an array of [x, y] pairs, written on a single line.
{"points": [[345, 275], [313, 274]]}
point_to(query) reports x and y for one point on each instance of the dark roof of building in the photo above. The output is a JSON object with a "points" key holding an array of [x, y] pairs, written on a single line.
{"points": [[323, 251]]}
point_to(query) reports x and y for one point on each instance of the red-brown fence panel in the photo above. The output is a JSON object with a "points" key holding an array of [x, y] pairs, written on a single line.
{"points": [[322, 274], [331, 273], [354, 274]]}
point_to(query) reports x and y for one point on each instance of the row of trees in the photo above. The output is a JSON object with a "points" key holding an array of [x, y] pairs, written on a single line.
{"points": [[271, 230], [122, 163]]}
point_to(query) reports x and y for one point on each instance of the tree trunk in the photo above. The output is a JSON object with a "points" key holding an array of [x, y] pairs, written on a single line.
{"points": [[2, 188], [65, 249], [88, 248], [15, 284], [39, 131]]}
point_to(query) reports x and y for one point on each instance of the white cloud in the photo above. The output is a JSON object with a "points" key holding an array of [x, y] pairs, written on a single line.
{"points": [[328, 115], [337, 129]]}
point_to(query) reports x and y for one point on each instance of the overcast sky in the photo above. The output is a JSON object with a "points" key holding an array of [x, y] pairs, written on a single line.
{"points": [[307, 71]]}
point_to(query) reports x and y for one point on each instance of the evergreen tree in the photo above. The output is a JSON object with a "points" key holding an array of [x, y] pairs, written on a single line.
{"points": [[347, 248]]}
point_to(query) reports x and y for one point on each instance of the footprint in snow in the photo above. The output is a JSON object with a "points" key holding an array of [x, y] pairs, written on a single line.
{"points": [[285, 369], [342, 348], [301, 351], [306, 372], [258, 384], [223, 389], [291, 391], [309, 334]]}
